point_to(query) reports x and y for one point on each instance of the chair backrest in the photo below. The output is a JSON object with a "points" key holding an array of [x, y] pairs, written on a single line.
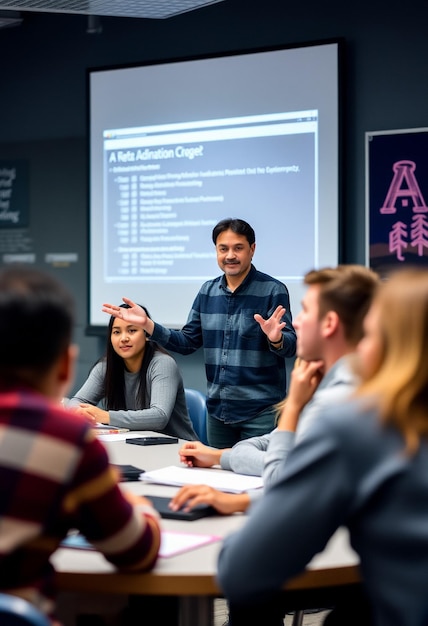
{"points": [[197, 407], [16, 611]]}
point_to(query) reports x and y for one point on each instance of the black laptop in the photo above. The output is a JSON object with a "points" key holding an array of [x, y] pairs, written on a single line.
{"points": [[161, 505]]}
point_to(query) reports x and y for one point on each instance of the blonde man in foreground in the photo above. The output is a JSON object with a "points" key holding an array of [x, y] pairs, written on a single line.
{"points": [[364, 465]]}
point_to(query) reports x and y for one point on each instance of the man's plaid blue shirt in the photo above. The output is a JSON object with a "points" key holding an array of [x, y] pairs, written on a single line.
{"points": [[245, 374]]}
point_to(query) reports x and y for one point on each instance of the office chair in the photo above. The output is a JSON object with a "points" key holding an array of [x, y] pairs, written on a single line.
{"points": [[298, 618], [16, 611], [197, 407]]}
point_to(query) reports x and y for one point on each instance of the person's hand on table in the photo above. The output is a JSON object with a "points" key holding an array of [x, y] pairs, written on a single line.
{"points": [[93, 413], [190, 496], [196, 454]]}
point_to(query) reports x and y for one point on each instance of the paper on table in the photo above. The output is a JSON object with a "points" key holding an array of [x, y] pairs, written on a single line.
{"points": [[172, 543], [104, 429], [112, 436], [105, 432], [116, 436], [223, 481]]}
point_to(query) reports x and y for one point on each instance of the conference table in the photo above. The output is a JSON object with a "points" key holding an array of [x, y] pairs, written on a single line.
{"points": [[85, 578]]}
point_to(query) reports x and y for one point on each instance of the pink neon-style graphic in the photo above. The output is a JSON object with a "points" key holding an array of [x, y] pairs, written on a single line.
{"points": [[404, 174], [397, 239], [419, 233], [404, 187]]}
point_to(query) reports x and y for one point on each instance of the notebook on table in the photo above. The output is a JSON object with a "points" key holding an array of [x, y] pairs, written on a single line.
{"points": [[128, 472], [161, 505]]}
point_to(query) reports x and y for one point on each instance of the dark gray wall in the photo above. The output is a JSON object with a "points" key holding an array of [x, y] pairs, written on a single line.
{"points": [[43, 103]]}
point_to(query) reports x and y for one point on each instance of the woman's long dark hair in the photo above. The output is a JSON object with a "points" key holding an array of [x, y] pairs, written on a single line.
{"points": [[114, 381]]}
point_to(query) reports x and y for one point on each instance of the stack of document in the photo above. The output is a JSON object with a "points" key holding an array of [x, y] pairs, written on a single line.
{"points": [[105, 429], [105, 432], [221, 480]]}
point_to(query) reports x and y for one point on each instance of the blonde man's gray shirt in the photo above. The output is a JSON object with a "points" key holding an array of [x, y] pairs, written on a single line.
{"points": [[262, 456]]}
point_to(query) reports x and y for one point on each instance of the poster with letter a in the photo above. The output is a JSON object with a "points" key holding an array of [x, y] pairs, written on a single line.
{"points": [[396, 199]]}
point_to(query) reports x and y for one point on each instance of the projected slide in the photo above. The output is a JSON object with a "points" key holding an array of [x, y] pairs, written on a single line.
{"points": [[167, 187]]}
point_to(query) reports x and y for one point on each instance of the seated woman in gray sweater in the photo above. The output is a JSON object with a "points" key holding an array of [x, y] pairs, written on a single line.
{"points": [[135, 385]]}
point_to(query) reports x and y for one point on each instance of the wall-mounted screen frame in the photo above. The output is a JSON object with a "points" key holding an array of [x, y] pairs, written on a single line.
{"points": [[176, 146]]}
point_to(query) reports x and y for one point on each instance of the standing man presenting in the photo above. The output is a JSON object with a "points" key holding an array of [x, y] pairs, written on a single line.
{"points": [[243, 321]]}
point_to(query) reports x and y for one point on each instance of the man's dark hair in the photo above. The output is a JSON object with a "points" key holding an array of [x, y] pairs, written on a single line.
{"points": [[36, 320], [235, 225]]}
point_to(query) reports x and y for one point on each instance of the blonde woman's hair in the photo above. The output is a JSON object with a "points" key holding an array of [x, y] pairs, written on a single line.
{"points": [[400, 384]]}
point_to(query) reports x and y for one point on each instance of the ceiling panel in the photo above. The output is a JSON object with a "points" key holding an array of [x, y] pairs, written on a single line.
{"points": [[152, 9]]}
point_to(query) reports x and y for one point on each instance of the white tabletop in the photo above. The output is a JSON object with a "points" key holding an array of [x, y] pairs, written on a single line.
{"points": [[191, 574]]}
